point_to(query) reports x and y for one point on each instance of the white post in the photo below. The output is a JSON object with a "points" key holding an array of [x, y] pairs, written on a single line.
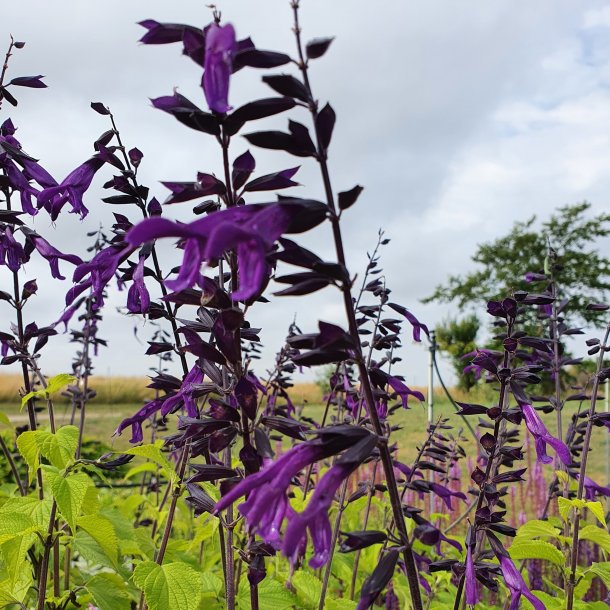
{"points": [[431, 378], [432, 351], [607, 408]]}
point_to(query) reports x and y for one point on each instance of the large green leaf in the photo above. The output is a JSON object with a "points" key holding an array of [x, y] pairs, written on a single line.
{"points": [[536, 549], [13, 525], [602, 570], [58, 448], [308, 588], [14, 553], [109, 592], [536, 528], [598, 510], [154, 454], [168, 587], [38, 510], [69, 493], [597, 535], [272, 595], [29, 449], [14, 592], [102, 531]]}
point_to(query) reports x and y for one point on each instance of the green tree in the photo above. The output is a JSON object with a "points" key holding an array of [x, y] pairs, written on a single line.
{"points": [[457, 337], [581, 271]]}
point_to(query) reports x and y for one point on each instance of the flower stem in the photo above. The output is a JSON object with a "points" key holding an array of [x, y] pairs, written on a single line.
{"points": [[384, 450]]}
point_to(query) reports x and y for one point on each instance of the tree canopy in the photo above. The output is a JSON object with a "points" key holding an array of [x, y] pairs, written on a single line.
{"points": [[582, 272]]}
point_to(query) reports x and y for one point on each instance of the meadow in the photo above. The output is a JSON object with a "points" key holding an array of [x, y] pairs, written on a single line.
{"points": [[119, 397]]}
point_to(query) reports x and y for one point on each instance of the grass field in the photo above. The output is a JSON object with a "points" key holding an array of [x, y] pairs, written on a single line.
{"points": [[120, 397]]}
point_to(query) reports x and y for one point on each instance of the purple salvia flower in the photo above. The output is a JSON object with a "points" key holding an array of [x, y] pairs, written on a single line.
{"points": [[71, 190], [516, 585], [267, 502], [592, 489], [185, 394], [138, 298], [445, 494], [184, 397], [148, 410], [97, 273], [190, 269], [542, 437], [51, 254], [315, 517], [20, 183], [470, 580], [250, 230], [220, 46], [532, 276], [66, 316], [267, 505], [12, 253], [415, 323]]}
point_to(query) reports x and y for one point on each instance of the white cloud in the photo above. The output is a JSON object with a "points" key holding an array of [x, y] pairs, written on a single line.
{"points": [[457, 118]]}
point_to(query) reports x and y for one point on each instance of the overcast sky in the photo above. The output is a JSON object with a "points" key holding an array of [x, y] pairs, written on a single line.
{"points": [[458, 118]]}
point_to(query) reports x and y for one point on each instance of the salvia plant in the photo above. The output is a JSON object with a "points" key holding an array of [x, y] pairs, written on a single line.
{"points": [[234, 494]]}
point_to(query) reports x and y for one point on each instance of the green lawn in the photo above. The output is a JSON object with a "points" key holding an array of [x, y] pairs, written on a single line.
{"points": [[102, 420]]}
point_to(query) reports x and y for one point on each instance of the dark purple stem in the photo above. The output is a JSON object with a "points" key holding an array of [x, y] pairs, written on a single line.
{"points": [[386, 458]]}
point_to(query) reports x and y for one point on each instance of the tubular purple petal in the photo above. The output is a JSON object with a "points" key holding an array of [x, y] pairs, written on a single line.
{"points": [[471, 589], [220, 46], [542, 437], [516, 585]]}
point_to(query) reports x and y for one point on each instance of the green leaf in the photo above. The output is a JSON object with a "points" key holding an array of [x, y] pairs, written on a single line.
{"points": [[109, 592], [146, 467], [602, 570], [154, 454], [69, 493], [339, 604], [597, 535], [536, 549], [308, 588], [565, 506], [15, 524], [28, 447], [272, 595], [537, 529], [59, 448], [102, 531], [14, 592], [211, 584], [54, 385], [14, 554], [170, 586], [59, 382], [598, 510], [4, 420], [38, 510]]}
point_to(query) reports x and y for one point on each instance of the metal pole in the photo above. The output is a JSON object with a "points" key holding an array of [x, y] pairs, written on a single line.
{"points": [[607, 408], [432, 350]]}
